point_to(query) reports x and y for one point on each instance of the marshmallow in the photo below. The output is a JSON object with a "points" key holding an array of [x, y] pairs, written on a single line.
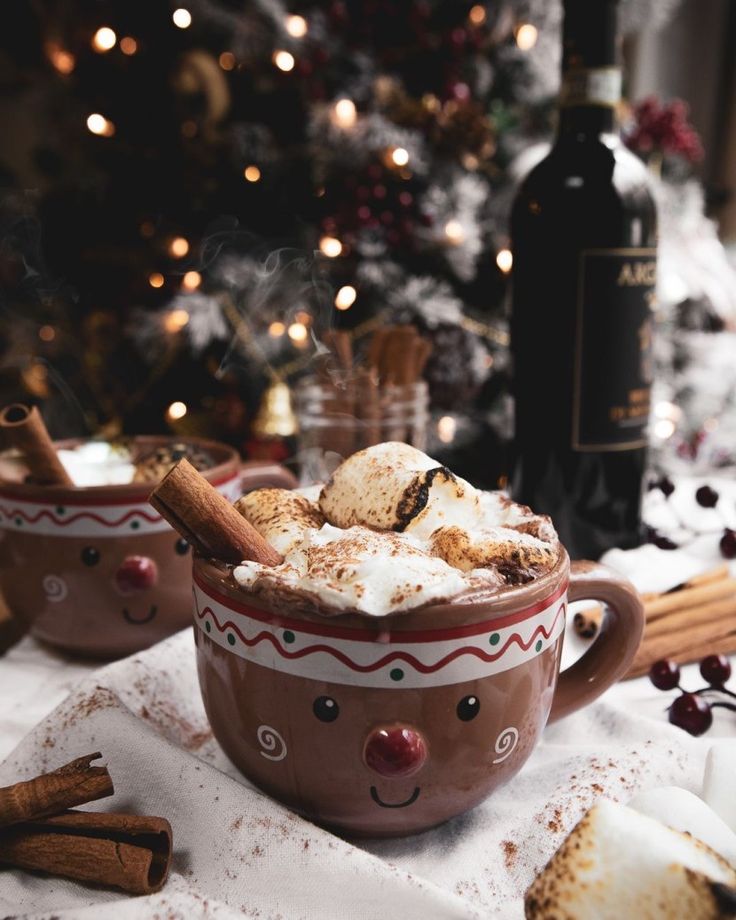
{"points": [[282, 517], [358, 569], [683, 811], [517, 557], [718, 781], [97, 463], [618, 863], [394, 486]]}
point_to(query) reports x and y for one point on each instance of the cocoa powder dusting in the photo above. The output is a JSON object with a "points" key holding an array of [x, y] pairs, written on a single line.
{"points": [[510, 852]]}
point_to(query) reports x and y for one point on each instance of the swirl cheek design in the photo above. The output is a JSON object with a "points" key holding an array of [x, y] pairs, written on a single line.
{"points": [[55, 588], [272, 742], [505, 743]]}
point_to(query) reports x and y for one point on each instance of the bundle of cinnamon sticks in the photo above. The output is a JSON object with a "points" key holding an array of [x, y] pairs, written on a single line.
{"points": [[365, 402], [41, 831], [686, 623]]}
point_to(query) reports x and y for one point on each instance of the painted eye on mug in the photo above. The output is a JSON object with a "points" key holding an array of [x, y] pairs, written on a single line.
{"points": [[326, 709], [181, 546], [468, 708], [90, 556]]}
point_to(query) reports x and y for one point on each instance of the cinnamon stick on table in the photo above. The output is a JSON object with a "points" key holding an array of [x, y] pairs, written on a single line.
{"points": [[207, 520], [73, 784], [130, 852], [23, 428]]}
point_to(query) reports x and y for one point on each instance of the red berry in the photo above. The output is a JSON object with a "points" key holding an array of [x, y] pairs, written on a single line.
{"points": [[715, 669], [136, 573], [691, 713], [728, 543], [664, 674], [395, 751], [706, 497]]}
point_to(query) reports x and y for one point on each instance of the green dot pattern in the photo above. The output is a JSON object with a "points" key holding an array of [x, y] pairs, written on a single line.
{"points": [[538, 646], [208, 626], [231, 638], [289, 636], [60, 509], [494, 638], [396, 674], [134, 525]]}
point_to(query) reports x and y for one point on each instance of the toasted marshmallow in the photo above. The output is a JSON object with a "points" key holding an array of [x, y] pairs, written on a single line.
{"points": [[517, 557], [281, 516], [619, 863], [497, 510], [359, 569], [394, 486]]}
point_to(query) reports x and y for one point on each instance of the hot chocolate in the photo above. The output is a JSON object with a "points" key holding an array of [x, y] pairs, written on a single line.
{"points": [[393, 530]]}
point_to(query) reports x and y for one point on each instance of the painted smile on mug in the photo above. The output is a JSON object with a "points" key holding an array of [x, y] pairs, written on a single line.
{"points": [[144, 618], [410, 801]]}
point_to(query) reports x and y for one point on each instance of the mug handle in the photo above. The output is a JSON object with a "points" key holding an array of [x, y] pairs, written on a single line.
{"points": [[262, 474], [613, 649]]}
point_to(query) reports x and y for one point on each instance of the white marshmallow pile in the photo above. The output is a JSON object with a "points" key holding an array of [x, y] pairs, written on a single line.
{"points": [[97, 463], [393, 530]]}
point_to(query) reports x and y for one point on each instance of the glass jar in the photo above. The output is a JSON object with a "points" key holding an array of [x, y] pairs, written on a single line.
{"points": [[335, 419]]}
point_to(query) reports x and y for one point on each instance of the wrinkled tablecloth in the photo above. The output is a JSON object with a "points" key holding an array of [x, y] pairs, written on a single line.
{"points": [[239, 853]]}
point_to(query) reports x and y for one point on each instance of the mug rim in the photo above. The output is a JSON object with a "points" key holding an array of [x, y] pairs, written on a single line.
{"points": [[463, 609], [126, 491]]}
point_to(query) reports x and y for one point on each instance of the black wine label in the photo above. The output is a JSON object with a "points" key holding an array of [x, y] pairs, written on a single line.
{"points": [[613, 349]]}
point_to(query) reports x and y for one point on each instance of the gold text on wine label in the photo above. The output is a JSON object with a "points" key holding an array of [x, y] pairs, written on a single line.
{"points": [[634, 274]]}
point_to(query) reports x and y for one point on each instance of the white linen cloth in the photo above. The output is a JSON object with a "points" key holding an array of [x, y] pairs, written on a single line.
{"points": [[238, 853]]}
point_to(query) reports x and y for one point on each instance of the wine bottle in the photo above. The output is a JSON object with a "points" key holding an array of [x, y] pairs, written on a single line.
{"points": [[583, 230]]}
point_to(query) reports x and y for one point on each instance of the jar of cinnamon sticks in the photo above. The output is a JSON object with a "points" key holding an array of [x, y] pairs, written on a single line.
{"points": [[351, 404]]}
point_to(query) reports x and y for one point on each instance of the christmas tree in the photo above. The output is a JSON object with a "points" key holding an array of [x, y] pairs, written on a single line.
{"points": [[217, 185]]}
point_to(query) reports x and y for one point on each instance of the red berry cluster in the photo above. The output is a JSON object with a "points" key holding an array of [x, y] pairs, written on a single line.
{"points": [[706, 497], [664, 129], [691, 711]]}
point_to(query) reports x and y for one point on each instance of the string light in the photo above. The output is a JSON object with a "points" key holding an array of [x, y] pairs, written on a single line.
{"points": [[504, 260], [191, 281], [276, 329], [176, 320], [284, 60], [344, 113], [664, 428], [179, 247], [302, 316], [399, 156], [62, 61], [176, 410], [227, 60], [330, 246], [477, 15], [182, 18], [298, 333], [526, 36], [100, 125], [104, 39], [446, 428], [454, 231], [156, 280], [128, 45], [345, 297], [296, 26], [252, 173], [47, 333]]}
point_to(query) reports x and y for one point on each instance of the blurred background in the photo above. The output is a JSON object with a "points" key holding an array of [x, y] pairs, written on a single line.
{"points": [[193, 193]]}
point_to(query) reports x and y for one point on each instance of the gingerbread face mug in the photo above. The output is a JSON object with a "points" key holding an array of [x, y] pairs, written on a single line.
{"points": [[84, 559], [400, 657]]}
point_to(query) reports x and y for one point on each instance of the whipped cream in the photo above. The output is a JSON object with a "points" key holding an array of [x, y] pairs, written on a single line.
{"points": [[391, 531], [98, 463]]}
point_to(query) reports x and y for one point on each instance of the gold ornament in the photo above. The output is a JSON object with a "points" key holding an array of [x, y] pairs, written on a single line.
{"points": [[275, 417]]}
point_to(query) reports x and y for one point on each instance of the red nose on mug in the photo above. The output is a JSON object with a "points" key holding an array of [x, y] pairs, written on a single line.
{"points": [[395, 751], [136, 573]]}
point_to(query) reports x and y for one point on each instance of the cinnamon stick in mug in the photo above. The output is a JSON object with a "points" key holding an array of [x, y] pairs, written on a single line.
{"points": [[207, 520], [23, 428], [73, 784], [130, 852]]}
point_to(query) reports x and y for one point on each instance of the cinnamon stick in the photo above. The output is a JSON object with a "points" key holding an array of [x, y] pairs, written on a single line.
{"points": [[587, 623], [678, 620], [207, 520], [690, 597], [23, 428], [73, 784], [685, 645], [716, 574], [130, 852]]}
